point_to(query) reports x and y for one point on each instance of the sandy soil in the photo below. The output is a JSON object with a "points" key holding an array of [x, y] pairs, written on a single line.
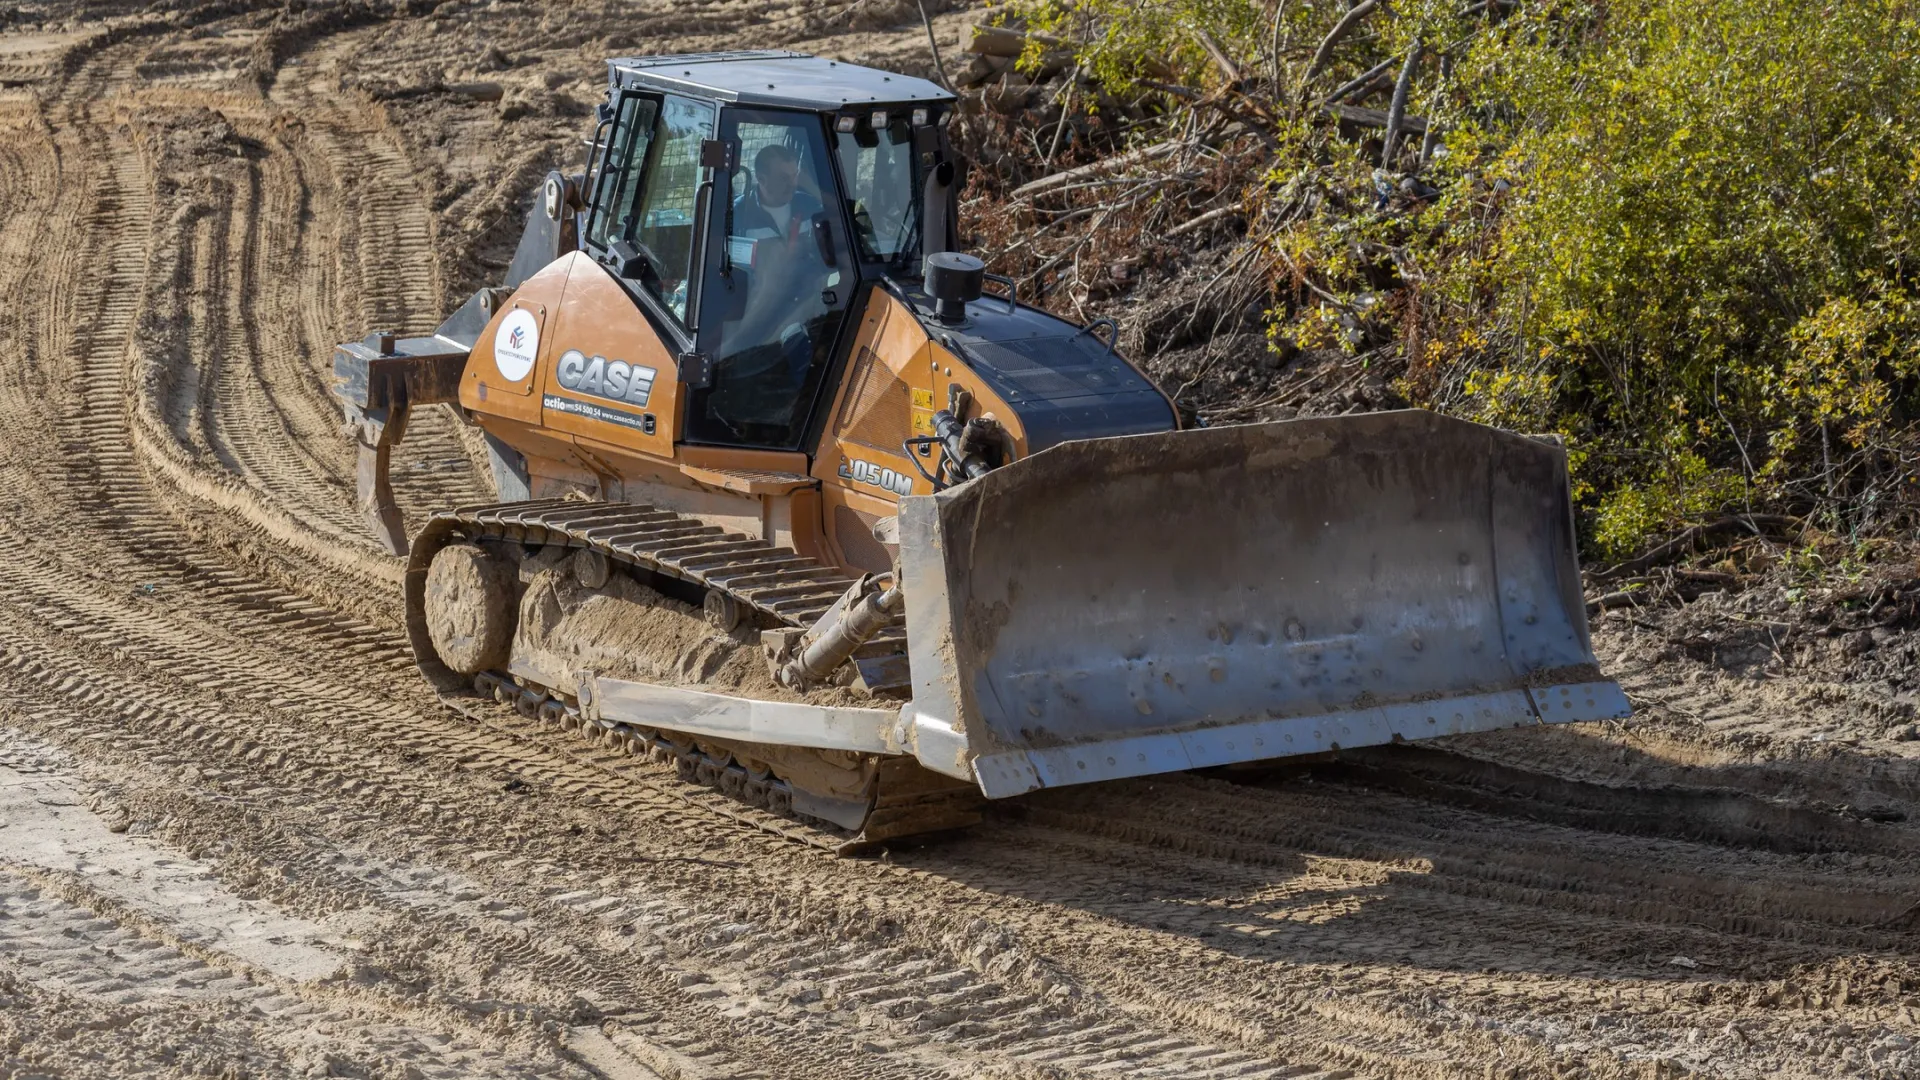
{"points": [[238, 838]]}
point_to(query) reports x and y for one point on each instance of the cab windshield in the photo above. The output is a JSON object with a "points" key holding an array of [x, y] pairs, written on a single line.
{"points": [[883, 178]]}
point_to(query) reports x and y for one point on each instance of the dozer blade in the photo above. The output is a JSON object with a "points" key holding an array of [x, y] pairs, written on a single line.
{"points": [[1152, 603]]}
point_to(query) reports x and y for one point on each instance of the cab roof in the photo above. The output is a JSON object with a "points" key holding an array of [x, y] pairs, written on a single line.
{"points": [[772, 78]]}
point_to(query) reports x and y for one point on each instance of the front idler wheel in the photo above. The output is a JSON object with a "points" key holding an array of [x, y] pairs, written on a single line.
{"points": [[470, 608]]}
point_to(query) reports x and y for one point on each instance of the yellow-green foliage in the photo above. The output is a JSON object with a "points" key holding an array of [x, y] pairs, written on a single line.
{"points": [[1680, 232], [1688, 489], [1123, 41], [1710, 230], [1845, 363]]}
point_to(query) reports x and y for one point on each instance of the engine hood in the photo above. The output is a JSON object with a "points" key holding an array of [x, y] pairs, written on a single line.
{"points": [[1062, 381]]}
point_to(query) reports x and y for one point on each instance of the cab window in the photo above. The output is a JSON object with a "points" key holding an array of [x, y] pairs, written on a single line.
{"points": [[648, 190], [883, 179], [620, 175]]}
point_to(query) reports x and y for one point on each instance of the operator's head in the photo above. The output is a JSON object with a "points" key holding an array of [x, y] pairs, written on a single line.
{"points": [[776, 170]]}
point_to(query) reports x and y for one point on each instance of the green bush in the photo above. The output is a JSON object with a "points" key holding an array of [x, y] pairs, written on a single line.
{"points": [[1680, 232], [1709, 240]]}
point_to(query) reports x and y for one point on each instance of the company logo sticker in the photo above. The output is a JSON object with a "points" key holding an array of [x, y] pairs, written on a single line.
{"points": [[515, 344], [866, 472], [615, 380]]}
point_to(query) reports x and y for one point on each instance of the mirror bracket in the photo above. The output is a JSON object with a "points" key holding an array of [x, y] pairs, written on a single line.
{"points": [[633, 261], [719, 154]]}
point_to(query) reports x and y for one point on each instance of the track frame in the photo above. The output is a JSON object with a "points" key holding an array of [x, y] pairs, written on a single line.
{"points": [[687, 559]]}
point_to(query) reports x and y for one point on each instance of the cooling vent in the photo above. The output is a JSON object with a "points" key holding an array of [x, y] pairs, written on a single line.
{"points": [[878, 410]]}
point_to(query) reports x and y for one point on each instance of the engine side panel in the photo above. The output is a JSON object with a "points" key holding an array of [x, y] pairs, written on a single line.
{"points": [[897, 379], [505, 366], [1063, 381]]}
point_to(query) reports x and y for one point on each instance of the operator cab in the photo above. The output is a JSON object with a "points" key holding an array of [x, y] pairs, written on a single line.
{"points": [[743, 198]]}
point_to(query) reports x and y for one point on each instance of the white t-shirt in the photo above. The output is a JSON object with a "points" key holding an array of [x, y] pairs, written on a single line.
{"points": [[781, 215]]}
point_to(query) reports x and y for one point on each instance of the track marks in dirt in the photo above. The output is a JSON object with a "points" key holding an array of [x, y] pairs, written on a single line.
{"points": [[129, 937], [100, 970], [754, 981], [384, 239], [1436, 943], [1331, 898], [198, 393], [269, 421], [49, 825]]}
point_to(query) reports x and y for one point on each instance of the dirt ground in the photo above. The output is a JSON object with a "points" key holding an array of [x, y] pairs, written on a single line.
{"points": [[239, 838]]}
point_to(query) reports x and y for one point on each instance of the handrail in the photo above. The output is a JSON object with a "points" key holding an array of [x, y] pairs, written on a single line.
{"points": [[1089, 329], [1013, 290], [696, 284], [589, 181]]}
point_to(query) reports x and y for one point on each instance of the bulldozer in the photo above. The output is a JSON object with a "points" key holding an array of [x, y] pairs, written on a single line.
{"points": [[796, 495]]}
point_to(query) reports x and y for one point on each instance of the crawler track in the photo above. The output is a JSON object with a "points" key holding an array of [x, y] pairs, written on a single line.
{"points": [[780, 588], [784, 588]]}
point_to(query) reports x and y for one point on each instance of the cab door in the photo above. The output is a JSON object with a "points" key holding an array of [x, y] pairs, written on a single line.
{"points": [[642, 223], [778, 283]]}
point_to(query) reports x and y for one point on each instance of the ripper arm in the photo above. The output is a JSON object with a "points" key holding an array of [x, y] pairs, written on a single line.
{"points": [[378, 381]]}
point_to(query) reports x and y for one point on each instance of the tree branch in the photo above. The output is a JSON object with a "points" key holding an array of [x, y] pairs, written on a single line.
{"points": [[927, 21], [1397, 112], [1195, 224], [1686, 540], [1362, 82], [1105, 165], [1279, 16], [1228, 69], [1340, 29]]}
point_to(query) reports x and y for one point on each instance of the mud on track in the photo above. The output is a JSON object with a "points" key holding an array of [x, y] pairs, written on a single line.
{"points": [[237, 836]]}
